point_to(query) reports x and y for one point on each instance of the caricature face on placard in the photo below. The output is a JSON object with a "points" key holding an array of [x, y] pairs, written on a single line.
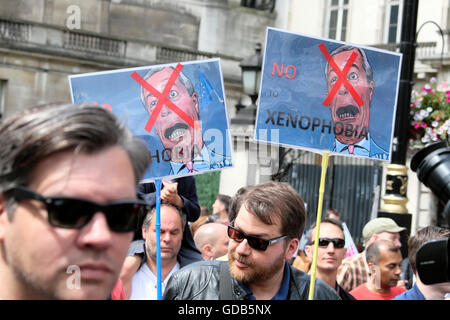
{"points": [[343, 107], [175, 133]]}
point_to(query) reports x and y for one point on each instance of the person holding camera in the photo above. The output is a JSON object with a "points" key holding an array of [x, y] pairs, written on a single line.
{"points": [[421, 291]]}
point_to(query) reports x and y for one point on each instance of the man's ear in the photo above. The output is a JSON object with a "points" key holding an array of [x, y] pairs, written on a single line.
{"points": [[3, 216], [291, 249], [371, 88], [207, 252], [144, 233], [372, 268], [195, 100], [309, 251], [372, 239]]}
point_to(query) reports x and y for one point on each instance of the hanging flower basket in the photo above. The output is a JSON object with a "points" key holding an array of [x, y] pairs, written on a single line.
{"points": [[430, 114]]}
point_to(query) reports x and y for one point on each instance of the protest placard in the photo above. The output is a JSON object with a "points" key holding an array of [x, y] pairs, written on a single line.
{"points": [[321, 94], [177, 109]]}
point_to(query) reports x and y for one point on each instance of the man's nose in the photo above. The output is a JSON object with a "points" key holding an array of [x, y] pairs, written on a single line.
{"points": [[96, 233], [342, 89], [330, 247], [166, 237], [243, 248], [165, 111], [398, 270]]}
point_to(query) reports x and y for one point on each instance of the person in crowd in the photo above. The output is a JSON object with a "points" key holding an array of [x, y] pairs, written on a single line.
{"points": [[384, 260], [333, 214], [301, 261], [204, 211], [221, 208], [354, 270], [330, 253], [181, 192], [212, 240], [144, 282], [264, 234], [63, 235], [419, 290]]}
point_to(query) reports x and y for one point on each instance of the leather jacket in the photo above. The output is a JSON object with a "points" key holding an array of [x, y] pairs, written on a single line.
{"points": [[200, 281]]}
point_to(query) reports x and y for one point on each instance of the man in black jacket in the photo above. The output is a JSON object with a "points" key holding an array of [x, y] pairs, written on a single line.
{"points": [[267, 222]]}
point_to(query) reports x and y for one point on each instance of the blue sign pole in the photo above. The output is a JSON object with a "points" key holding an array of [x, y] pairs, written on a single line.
{"points": [[158, 239]]}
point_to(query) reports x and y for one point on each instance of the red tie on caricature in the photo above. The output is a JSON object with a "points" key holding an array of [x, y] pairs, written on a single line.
{"points": [[351, 148]]}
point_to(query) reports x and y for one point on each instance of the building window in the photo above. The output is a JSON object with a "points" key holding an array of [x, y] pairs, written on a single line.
{"points": [[265, 5], [393, 21], [337, 28], [2, 98]]}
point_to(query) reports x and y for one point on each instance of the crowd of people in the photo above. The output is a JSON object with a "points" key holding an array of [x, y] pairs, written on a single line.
{"points": [[70, 201]]}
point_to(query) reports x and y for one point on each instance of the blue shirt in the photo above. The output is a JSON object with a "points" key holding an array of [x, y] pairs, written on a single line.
{"points": [[282, 293], [412, 294]]}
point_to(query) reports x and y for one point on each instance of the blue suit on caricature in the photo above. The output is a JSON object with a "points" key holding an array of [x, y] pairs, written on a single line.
{"points": [[207, 160]]}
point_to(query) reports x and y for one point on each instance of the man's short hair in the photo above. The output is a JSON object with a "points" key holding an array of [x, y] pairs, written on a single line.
{"points": [[326, 220], [149, 216], [373, 250], [333, 211], [30, 136], [236, 202], [225, 200], [275, 199], [187, 83], [423, 235], [366, 65]]}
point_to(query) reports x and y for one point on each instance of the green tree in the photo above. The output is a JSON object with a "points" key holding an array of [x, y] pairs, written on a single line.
{"points": [[207, 188]]}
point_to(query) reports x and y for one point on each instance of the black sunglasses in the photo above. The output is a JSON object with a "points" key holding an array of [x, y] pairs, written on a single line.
{"points": [[254, 242], [74, 213], [338, 243]]}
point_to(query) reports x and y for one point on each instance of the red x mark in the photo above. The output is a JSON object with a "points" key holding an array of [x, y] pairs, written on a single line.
{"points": [[162, 99], [342, 76]]}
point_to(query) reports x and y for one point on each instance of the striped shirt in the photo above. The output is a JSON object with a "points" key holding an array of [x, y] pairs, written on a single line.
{"points": [[353, 272]]}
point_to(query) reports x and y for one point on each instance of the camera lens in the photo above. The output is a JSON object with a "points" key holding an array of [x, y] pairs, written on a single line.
{"points": [[432, 164], [432, 261]]}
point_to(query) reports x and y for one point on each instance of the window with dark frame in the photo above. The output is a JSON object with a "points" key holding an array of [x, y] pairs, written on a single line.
{"points": [[337, 27], [2, 98], [392, 30], [263, 5]]}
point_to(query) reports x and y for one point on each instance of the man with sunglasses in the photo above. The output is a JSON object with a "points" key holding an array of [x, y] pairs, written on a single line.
{"points": [[331, 251], [68, 207], [267, 222]]}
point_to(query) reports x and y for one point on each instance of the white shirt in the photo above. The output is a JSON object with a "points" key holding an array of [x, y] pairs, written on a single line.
{"points": [[144, 283]]}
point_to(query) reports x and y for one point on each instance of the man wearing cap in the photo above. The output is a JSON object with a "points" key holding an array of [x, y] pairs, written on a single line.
{"points": [[354, 270]]}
